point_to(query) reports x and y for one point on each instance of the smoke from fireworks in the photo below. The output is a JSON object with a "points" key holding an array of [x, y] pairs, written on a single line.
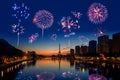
{"points": [[43, 19], [21, 12], [19, 30], [97, 13], [33, 37]]}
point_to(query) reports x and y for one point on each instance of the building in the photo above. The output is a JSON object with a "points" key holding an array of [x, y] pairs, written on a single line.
{"points": [[103, 44], [116, 43], [92, 47], [110, 45], [72, 52], [77, 50], [84, 50]]}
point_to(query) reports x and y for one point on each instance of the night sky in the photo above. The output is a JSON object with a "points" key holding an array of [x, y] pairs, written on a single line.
{"points": [[58, 8]]}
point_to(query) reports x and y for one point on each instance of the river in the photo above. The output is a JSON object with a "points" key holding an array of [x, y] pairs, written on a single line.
{"points": [[62, 69]]}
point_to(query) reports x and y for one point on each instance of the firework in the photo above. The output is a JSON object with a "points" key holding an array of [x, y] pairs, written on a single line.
{"points": [[76, 14], [69, 25], [33, 37], [54, 37], [19, 30], [99, 33], [43, 19], [21, 12], [84, 40], [97, 13]]}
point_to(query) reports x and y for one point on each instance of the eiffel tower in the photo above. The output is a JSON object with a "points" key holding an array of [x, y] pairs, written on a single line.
{"points": [[59, 53]]}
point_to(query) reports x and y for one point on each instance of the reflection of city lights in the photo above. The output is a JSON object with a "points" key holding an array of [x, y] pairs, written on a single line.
{"points": [[83, 70], [113, 66], [1, 73]]}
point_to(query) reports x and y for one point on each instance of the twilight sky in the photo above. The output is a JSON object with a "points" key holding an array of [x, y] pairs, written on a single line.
{"points": [[59, 9]]}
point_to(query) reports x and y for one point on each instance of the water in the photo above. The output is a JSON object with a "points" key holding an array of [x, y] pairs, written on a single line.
{"points": [[51, 69]]}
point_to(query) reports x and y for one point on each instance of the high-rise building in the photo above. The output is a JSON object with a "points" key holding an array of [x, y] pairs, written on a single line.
{"points": [[116, 42], [77, 50], [72, 52], [103, 44], [110, 45], [92, 46], [84, 50]]}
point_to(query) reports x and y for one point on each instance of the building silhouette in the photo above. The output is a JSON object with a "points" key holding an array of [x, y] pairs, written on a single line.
{"points": [[84, 50], [116, 42], [110, 45], [72, 52], [77, 50], [92, 47], [103, 44]]}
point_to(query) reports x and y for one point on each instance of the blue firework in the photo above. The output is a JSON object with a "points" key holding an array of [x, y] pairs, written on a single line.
{"points": [[21, 12]]}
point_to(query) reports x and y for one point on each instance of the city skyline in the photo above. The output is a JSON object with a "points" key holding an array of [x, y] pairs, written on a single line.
{"points": [[48, 45]]}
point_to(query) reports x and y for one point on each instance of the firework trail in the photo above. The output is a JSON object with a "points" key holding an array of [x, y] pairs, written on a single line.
{"points": [[19, 30]]}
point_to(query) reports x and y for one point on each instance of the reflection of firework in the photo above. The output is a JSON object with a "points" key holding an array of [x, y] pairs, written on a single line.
{"points": [[54, 37], [19, 30], [97, 77], [43, 19], [45, 76], [97, 13], [33, 37], [83, 40], [21, 12]]}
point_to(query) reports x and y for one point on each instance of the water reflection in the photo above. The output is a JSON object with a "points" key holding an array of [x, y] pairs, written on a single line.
{"points": [[49, 69]]}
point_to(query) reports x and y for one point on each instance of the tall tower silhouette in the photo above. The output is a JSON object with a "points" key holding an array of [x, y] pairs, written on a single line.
{"points": [[59, 53]]}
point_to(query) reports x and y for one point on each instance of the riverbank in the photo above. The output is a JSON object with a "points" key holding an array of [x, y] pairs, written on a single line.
{"points": [[5, 65]]}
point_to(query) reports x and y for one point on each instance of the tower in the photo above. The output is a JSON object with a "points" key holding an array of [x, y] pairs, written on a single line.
{"points": [[59, 53], [59, 49]]}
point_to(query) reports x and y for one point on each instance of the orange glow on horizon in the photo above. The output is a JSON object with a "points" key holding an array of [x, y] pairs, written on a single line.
{"points": [[48, 52]]}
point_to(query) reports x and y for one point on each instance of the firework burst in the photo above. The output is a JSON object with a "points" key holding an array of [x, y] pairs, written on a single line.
{"points": [[83, 40], [97, 13], [33, 37], [43, 19], [19, 30], [21, 12], [54, 37], [69, 25]]}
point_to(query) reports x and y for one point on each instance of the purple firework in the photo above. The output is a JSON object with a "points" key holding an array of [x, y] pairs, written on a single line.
{"points": [[54, 37], [43, 19], [97, 13], [33, 37]]}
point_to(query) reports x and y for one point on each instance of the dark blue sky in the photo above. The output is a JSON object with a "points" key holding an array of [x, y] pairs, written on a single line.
{"points": [[58, 9]]}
